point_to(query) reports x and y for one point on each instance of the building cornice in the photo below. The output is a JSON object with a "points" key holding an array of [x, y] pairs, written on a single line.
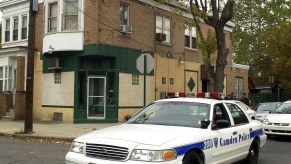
{"points": [[12, 49], [6, 3], [240, 66], [229, 25]]}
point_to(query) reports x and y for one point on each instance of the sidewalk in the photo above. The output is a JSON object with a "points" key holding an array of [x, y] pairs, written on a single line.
{"points": [[50, 130]]}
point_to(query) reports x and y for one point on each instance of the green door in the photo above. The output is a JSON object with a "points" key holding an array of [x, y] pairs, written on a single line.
{"points": [[96, 97]]}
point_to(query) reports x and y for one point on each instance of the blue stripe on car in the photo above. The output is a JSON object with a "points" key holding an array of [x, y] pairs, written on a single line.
{"points": [[256, 133], [183, 149]]}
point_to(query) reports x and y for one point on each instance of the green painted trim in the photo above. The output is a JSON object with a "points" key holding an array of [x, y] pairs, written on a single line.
{"points": [[57, 106], [129, 107]]}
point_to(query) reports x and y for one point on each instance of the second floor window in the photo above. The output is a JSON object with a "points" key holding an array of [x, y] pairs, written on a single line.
{"points": [[239, 83], [190, 37], [163, 25], [70, 15], [24, 27], [7, 30], [52, 17], [15, 28], [123, 14]]}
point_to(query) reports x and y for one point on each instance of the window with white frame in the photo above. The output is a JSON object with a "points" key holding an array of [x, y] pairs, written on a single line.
{"points": [[24, 27], [15, 28], [7, 30], [70, 21], [239, 82], [190, 37], [135, 79], [6, 78], [124, 14], [163, 25], [57, 77], [52, 17]]}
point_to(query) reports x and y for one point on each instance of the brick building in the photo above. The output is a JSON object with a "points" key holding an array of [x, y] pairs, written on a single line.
{"points": [[91, 55]]}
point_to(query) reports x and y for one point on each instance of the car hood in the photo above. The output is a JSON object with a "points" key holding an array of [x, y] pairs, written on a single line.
{"points": [[140, 134], [263, 114], [279, 118]]}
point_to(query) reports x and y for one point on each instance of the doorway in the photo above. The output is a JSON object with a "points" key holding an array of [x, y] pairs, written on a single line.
{"points": [[96, 97]]}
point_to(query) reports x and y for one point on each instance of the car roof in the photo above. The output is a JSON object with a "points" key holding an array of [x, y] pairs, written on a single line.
{"points": [[289, 101], [197, 100]]}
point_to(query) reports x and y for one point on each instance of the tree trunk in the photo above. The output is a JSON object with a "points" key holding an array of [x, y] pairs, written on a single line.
{"points": [[221, 61]]}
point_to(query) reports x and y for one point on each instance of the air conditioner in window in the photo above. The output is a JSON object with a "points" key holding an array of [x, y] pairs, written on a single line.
{"points": [[161, 37], [125, 29], [54, 63]]}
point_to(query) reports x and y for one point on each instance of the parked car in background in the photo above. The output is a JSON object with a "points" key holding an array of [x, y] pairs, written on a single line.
{"points": [[279, 121], [246, 108], [175, 131], [264, 109]]}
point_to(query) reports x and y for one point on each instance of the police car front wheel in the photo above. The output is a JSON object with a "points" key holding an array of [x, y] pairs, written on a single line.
{"points": [[253, 155], [192, 157]]}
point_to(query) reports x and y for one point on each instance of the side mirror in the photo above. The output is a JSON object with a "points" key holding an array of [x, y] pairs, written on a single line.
{"points": [[220, 124], [205, 123]]}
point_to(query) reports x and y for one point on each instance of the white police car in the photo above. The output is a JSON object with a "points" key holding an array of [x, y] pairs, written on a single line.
{"points": [[175, 131]]}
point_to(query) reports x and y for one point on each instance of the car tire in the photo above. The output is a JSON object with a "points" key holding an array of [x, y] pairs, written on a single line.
{"points": [[253, 155], [192, 157]]}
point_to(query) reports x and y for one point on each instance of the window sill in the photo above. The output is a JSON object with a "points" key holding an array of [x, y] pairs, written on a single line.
{"points": [[191, 49], [164, 44]]}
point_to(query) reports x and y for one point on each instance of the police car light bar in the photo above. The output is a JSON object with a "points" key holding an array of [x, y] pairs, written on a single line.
{"points": [[213, 95]]}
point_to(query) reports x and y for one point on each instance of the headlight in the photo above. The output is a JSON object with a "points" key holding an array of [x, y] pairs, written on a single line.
{"points": [[153, 155], [77, 147], [266, 121]]}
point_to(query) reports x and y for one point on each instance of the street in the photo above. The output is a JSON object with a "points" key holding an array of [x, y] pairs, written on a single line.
{"points": [[277, 150], [30, 152]]}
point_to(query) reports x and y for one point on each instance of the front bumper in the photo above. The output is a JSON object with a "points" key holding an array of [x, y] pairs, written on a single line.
{"points": [[263, 140], [277, 130], [76, 158]]}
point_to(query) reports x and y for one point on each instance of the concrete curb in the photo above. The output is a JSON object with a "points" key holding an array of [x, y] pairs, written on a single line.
{"points": [[28, 136]]}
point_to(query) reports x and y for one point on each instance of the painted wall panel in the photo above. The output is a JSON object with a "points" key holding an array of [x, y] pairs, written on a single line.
{"points": [[58, 94], [71, 41]]}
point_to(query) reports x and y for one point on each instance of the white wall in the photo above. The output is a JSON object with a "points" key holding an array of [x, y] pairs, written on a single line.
{"points": [[58, 94]]}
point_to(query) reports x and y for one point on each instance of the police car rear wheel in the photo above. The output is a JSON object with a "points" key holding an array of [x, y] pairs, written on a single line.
{"points": [[192, 157], [253, 155]]}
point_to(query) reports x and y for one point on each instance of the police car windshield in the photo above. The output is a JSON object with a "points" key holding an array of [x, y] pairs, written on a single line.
{"points": [[187, 114]]}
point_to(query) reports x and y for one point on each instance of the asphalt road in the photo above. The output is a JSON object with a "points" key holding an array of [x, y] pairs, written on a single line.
{"points": [[276, 151], [32, 152]]}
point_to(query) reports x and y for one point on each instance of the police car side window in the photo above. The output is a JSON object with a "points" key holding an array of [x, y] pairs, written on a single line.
{"points": [[237, 114], [220, 112]]}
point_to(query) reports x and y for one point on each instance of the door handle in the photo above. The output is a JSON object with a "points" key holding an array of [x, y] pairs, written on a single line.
{"points": [[234, 133]]}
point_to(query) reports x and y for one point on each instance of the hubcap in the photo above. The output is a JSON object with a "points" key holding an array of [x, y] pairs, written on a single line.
{"points": [[252, 152]]}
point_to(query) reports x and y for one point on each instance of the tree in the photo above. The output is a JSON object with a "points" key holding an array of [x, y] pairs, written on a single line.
{"points": [[252, 18], [278, 49], [215, 14]]}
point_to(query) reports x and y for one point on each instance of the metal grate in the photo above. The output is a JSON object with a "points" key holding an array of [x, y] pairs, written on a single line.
{"points": [[106, 151], [281, 124]]}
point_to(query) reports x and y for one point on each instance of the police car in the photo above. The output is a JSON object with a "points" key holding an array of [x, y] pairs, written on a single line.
{"points": [[175, 131]]}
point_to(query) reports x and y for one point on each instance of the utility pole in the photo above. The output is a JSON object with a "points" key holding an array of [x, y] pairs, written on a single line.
{"points": [[28, 128]]}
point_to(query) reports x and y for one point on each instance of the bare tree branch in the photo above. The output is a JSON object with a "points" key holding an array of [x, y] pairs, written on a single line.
{"points": [[227, 12], [215, 11]]}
